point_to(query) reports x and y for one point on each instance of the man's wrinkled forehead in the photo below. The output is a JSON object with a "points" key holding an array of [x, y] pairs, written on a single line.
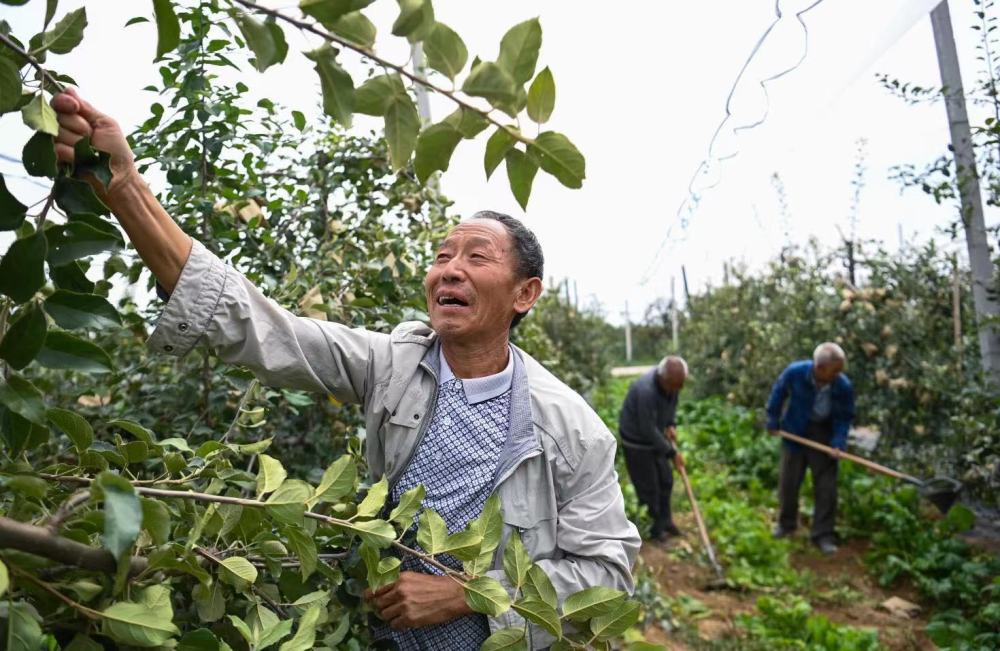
{"points": [[478, 232]]}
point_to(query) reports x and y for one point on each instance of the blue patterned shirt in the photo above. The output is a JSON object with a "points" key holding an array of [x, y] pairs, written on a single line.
{"points": [[457, 463]]}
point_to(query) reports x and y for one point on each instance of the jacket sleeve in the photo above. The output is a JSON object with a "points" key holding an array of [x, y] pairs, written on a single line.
{"points": [[598, 542], [844, 418], [778, 394], [214, 302]]}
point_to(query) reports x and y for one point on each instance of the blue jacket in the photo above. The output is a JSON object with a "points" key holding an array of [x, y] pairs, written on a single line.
{"points": [[797, 386]]}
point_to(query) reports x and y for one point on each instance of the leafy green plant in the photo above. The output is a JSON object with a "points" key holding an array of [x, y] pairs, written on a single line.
{"points": [[793, 626]]}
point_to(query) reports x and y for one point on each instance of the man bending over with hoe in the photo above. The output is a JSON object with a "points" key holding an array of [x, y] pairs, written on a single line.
{"points": [[815, 400]]}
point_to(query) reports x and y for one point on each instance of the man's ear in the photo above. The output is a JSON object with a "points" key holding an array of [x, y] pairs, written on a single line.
{"points": [[527, 295]]}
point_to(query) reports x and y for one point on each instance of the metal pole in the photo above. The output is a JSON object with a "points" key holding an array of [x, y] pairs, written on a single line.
{"points": [[684, 277], [673, 312], [980, 263]]}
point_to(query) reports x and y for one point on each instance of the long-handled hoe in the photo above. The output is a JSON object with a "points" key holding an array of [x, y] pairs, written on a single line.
{"points": [[720, 581], [942, 492]]}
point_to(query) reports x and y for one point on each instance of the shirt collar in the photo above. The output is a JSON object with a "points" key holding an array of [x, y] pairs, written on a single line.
{"points": [[480, 389]]}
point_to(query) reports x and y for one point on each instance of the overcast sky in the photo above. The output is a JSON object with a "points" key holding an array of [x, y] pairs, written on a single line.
{"points": [[641, 88]]}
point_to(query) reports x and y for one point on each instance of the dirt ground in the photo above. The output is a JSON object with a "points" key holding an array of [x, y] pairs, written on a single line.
{"points": [[842, 591]]}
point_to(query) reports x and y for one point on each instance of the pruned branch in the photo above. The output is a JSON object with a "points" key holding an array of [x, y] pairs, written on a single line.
{"points": [[384, 63], [45, 74]]}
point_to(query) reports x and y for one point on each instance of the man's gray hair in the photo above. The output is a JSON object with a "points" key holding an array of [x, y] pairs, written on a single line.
{"points": [[663, 368], [828, 353]]}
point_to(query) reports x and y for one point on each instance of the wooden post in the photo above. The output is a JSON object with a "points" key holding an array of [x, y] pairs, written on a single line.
{"points": [[956, 309], [980, 263], [673, 314], [628, 335], [684, 277]]}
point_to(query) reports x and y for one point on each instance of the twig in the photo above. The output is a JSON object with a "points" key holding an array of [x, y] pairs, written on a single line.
{"points": [[89, 613], [239, 408], [368, 54], [270, 602], [45, 210], [66, 509], [242, 501], [34, 62]]}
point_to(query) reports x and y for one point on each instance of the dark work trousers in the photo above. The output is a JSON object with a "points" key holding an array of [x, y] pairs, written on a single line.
{"points": [[824, 474], [653, 480]]}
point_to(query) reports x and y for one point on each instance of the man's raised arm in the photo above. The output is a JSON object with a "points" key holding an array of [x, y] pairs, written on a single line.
{"points": [[161, 243]]}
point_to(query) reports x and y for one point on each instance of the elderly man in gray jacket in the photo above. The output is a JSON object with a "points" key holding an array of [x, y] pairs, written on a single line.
{"points": [[453, 406]]}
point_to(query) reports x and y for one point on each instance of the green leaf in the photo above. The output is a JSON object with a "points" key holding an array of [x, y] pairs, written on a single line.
{"points": [[415, 20], [209, 602], [521, 172], [592, 602], [272, 632], [12, 211], [72, 310], [38, 115], [72, 277], [156, 519], [305, 634], [39, 155], [200, 639], [375, 95], [960, 518], [445, 51], [238, 571], [613, 624], [336, 84], [489, 524], [50, 12], [23, 631], [356, 28], [338, 480], [76, 240], [168, 28], [22, 270], [4, 579], [75, 196], [539, 586], [271, 474], [542, 97], [24, 338], [135, 429], [87, 161], [122, 513], [63, 350], [81, 642], [516, 561], [409, 504], [74, 426], [10, 85], [486, 595], [435, 146], [21, 397], [147, 622], [377, 533], [519, 50], [496, 149], [468, 122], [402, 124], [303, 546], [242, 628], [329, 11], [65, 34], [464, 545], [491, 82], [560, 158], [374, 500], [432, 532], [287, 504], [537, 611], [506, 639], [267, 41], [381, 571]]}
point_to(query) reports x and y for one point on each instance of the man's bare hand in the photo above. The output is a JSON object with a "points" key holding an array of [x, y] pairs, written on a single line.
{"points": [[418, 599], [773, 432], [672, 433], [77, 118]]}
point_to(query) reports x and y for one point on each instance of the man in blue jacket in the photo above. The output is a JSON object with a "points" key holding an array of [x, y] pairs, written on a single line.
{"points": [[813, 399]]}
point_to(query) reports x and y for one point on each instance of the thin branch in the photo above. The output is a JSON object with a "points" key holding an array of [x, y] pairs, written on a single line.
{"points": [[66, 509], [89, 613], [242, 501], [374, 58], [270, 602], [45, 210], [4, 40], [239, 408]]}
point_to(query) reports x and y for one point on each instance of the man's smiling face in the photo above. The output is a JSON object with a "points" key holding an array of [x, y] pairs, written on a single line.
{"points": [[472, 286]]}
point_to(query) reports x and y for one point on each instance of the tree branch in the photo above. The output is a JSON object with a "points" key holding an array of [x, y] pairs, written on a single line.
{"points": [[374, 58], [66, 509], [33, 61], [39, 541], [89, 613]]}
